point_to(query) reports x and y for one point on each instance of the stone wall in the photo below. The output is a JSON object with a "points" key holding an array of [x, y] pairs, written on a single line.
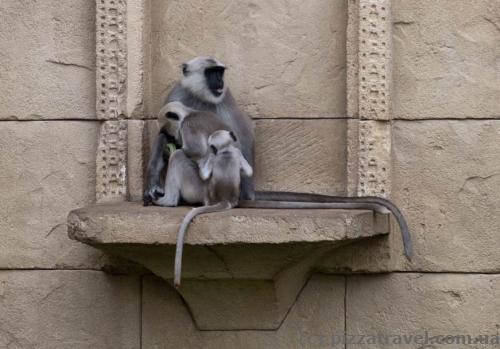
{"points": [[52, 292], [287, 67]]}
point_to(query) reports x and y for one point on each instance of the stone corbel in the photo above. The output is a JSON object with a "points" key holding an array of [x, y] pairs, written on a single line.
{"points": [[243, 268]]}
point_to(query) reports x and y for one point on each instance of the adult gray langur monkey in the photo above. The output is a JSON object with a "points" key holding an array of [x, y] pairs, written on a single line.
{"points": [[202, 87], [222, 173]]}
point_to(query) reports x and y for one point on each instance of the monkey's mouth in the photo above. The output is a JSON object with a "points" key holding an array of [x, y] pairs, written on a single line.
{"points": [[217, 91]]}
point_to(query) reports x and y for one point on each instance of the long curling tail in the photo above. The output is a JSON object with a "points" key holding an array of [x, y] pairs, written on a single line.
{"points": [[221, 206], [277, 196], [312, 205]]}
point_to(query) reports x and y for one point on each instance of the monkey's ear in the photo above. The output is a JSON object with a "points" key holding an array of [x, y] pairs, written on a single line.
{"points": [[184, 69], [214, 149], [233, 136], [172, 116]]}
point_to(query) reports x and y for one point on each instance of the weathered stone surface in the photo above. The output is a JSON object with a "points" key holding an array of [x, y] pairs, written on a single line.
{"points": [[375, 59], [47, 59], [301, 155], [415, 304], [125, 224], [111, 162], [373, 255], [69, 309], [111, 54], [137, 147], [317, 314], [446, 56], [242, 268], [374, 158], [446, 179], [48, 168], [284, 58], [352, 59]]}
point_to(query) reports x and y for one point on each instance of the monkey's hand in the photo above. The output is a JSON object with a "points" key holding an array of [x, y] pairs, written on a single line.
{"points": [[152, 194]]}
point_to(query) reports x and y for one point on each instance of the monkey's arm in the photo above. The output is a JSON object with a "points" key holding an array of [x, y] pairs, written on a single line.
{"points": [[155, 166], [246, 169], [247, 183], [207, 167]]}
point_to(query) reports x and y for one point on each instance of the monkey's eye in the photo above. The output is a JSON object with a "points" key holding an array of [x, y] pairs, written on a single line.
{"points": [[214, 149], [233, 136], [172, 116], [184, 69]]}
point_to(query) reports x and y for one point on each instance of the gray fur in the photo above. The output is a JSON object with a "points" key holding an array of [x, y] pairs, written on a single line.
{"points": [[224, 107], [222, 172], [182, 181], [227, 110]]}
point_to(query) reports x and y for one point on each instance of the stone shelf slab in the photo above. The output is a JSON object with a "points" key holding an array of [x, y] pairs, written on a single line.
{"points": [[243, 268]]}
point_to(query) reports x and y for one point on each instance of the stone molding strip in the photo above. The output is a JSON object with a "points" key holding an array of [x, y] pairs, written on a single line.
{"points": [[369, 59]]}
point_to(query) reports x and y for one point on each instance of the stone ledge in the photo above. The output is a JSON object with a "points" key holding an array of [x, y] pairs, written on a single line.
{"points": [[243, 268], [131, 223]]}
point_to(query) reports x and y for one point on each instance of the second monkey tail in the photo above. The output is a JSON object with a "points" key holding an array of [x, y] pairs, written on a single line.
{"points": [[221, 206], [360, 200]]}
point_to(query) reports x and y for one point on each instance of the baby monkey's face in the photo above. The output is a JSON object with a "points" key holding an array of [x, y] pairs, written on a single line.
{"points": [[221, 139], [171, 116]]}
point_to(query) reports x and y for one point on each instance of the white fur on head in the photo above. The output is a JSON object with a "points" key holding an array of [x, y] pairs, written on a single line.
{"points": [[220, 139], [195, 80], [173, 125]]}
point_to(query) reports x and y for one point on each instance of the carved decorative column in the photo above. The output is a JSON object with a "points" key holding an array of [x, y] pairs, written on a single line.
{"points": [[369, 55], [121, 82]]}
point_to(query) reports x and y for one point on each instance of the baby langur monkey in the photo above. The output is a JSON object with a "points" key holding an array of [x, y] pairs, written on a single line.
{"points": [[191, 128], [222, 171]]}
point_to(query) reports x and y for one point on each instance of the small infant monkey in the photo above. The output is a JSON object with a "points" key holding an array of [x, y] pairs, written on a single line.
{"points": [[191, 128], [222, 171], [208, 168]]}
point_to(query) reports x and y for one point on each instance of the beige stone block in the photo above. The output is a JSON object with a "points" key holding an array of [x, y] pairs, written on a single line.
{"points": [[316, 315], [136, 162], [384, 307], [48, 169], [47, 59], [301, 155], [285, 59], [446, 59], [446, 180], [69, 309]]}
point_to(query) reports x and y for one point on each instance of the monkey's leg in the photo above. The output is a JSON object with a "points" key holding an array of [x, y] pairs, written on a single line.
{"points": [[172, 191], [155, 166], [247, 187], [173, 180]]}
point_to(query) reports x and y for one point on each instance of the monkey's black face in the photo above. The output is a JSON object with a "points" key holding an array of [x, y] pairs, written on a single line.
{"points": [[215, 80]]}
